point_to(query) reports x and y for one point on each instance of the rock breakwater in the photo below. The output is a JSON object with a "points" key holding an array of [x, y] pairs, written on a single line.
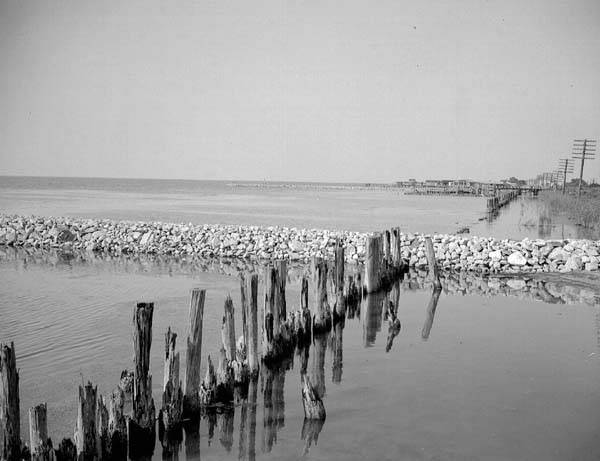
{"points": [[256, 243]]}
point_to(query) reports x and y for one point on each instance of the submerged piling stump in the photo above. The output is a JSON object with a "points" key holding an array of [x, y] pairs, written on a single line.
{"points": [[85, 431], [322, 316], [39, 443], [172, 398]]}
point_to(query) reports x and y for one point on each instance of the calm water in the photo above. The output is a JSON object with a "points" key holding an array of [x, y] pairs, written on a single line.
{"points": [[497, 377], [217, 202]]}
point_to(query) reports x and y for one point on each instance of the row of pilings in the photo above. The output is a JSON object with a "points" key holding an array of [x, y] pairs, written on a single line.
{"points": [[123, 423], [501, 199]]}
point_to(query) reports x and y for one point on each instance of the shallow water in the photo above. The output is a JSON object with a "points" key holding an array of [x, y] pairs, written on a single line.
{"points": [[495, 378]]}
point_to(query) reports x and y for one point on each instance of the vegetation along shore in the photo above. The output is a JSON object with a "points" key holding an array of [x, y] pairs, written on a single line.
{"points": [[453, 252]]}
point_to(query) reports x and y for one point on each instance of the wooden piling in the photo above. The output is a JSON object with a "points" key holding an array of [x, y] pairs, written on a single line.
{"points": [[318, 364], [102, 437], [39, 443], [311, 401], [340, 298], [432, 263], [117, 426], [172, 398], [208, 387], [280, 301], [322, 316], [10, 416], [373, 263], [224, 389], [250, 286], [228, 330], [142, 427], [85, 431], [270, 324], [304, 329], [396, 247], [191, 403]]}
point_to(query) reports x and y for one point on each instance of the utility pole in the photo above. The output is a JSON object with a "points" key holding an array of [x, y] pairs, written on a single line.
{"points": [[583, 149], [565, 165]]}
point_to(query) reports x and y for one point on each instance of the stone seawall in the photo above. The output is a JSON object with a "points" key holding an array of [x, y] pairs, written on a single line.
{"points": [[485, 255]]}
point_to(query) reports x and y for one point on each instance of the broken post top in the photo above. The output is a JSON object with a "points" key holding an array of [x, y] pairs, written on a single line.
{"points": [[142, 336]]}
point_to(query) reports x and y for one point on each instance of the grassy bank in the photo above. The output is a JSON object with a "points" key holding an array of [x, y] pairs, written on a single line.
{"points": [[584, 211]]}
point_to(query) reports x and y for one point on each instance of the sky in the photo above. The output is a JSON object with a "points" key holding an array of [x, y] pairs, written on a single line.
{"points": [[349, 91]]}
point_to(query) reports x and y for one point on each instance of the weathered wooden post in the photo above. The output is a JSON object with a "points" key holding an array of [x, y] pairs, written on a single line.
{"points": [[387, 249], [191, 403], [251, 286], [312, 402], [322, 317], [304, 331], [40, 444], [270, 324], [85, 431], [280, 302], [142, 426], [373, 263], [172, 398], [432, 263], [228, 330], [208, 387], [224, 389], [340, 299], [10, 416], [117, 426], [102, 437], [396, 247]]}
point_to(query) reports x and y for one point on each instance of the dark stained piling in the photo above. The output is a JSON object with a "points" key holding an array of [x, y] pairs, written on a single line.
{"points": [[85, 431], [373, 263], [126, 385], [396, 247], [10, 416], [208, 387], [340, 298], [228, 330], [249, 289], [191, 403], [280, 302], [66, 451], [225, 382], [322, 317], [117, 426], [304, 327], [270, 322], [102, 437], [172, 398], [278, 337], [432, 263], [142, 427], [39, 443]]}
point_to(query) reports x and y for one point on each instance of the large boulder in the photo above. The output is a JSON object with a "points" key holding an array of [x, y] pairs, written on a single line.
{"points": [[574, 263], [517, 259], [558, 254]]}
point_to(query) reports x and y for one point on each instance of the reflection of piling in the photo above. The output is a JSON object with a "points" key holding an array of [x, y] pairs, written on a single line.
{"points": [[10, 416], [318, 372], [311, 400], [269, 431], [338, 357], [225, 425], [142, 428], [252, 393], [170, 441], [192, 439], [371, 317], [191, 403], [435, 296]]}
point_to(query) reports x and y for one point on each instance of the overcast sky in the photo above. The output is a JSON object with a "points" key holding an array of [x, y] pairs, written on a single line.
{"points": [[299, 90]]}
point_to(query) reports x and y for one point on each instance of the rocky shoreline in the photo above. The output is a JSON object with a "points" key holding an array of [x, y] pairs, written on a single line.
{"points": [[256, 243]]}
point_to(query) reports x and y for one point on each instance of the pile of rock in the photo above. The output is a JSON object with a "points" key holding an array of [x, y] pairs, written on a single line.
{"points": [[266, 243]]}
